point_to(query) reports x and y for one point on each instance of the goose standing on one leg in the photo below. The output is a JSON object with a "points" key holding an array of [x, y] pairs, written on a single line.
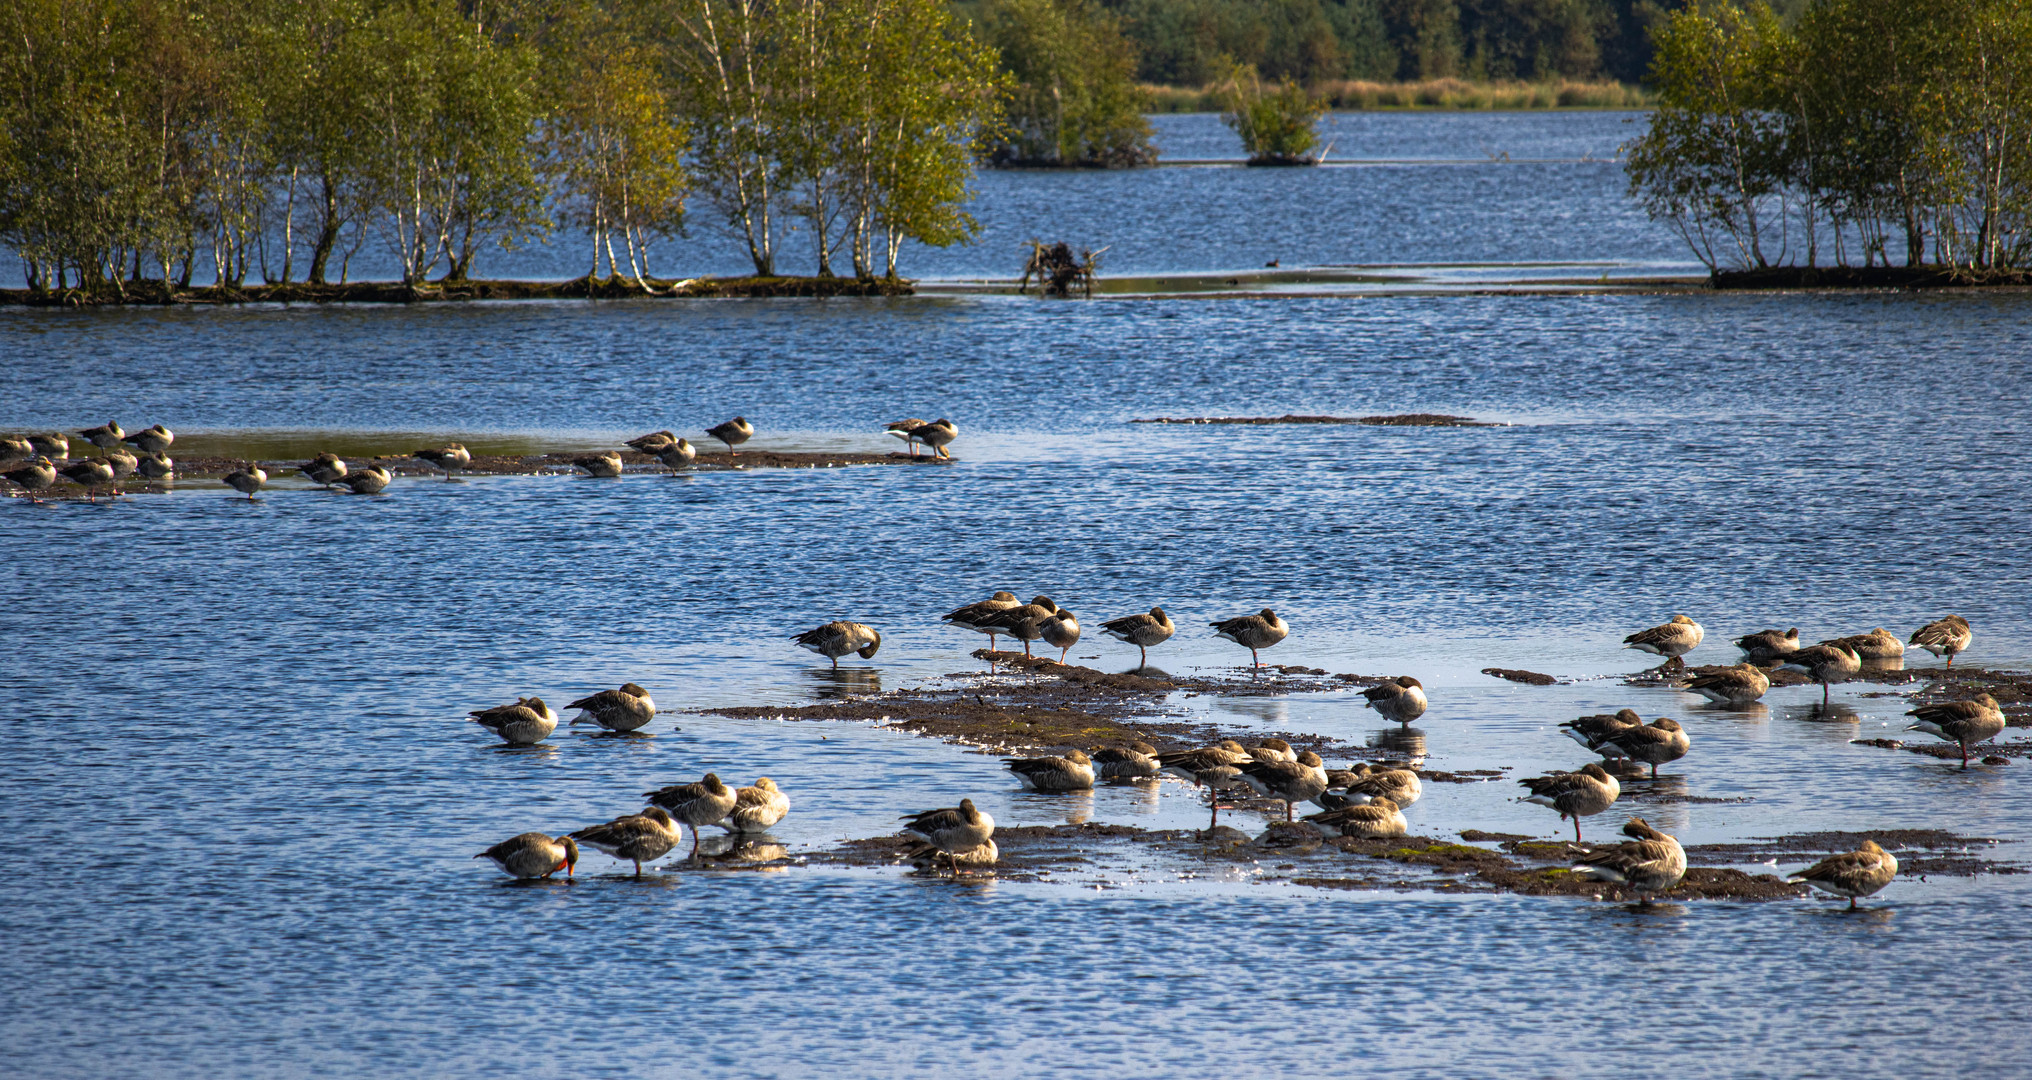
{"points": [[106, 436], [734, 432], [1142, 631], [979, 617], [247, 480], [638, 838], [1575, 795], [325, 469], [449, 458], [1825, 664], [1963, 723], [1061, 631], [35, 476], [1859, 873], [677, 455], [837, 639], [696, 805], [953, 830], [1253, 632], [1024, 622]]}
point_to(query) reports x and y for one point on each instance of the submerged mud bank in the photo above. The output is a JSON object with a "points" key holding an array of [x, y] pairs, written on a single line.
{"points": [[152, 293], [1399, 420], [1869, 277]]}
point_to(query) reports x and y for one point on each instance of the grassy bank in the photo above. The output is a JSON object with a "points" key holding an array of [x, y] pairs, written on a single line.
{"points": [[390, 292], [1453, 94]]}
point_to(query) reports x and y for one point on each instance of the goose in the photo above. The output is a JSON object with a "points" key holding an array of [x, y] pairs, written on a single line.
{"points": [[1073, 772], [1272, 750], [247, 480], [837, 639], [953, 830], [1862, 872], [1735, 686], [54, 446], [1401, 699], [1589, 731], [697, 804], [652, 442], [325, 469], [756, 808], [106, 436], [625, 709], [677, 455], [1576, 794], [1944, 637], [1657, 743], [1253, 632], [527, 722], [1878, 644], [926, 855], [1825, 664], [978, 617], [1297, 781], [448, 459], [906, 430], [368, 481], [35, 476], [1123, 762], [1142, 631], [154, 439], [15, 448], [1963, 723], [91, 474], [734, 432], [1024, 622], [154, 465], [1061, 630], [1400, 786], [1209, 769], [1377, 819], [534, 855], [638, 838], [605, 466], [1649, 863], [1766, 646], [122, 461], [936, 436], [1671, 640]]}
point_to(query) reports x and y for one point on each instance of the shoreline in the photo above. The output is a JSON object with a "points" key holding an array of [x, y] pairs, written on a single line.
{"points": [[152, 294], [1837, 278]]}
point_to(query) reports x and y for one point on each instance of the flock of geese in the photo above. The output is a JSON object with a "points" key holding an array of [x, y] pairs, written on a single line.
{"points": [[1365, 801], [44, 459]]}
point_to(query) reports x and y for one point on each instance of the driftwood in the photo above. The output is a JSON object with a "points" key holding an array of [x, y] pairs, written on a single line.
{"points": [[1058, 272]]}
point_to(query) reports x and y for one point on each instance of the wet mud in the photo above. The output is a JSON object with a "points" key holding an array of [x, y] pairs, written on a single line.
{"points": [[1919, 851], [1517, 675]]}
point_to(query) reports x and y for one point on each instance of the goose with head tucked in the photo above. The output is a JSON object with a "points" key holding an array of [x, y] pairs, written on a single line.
{"points": [[625, 709], [1769, 646], [638, 838], [1672, 639], [35, 476], [756, 808], [122, 461], [1399, 785], [16, 448], [954, 831], [525, 723], [1253, 632], [106, 436], [1138, 759], [1657, 743], [1649, 863], [979, 617], [1373, 820], [1142, 631], [1735, 687], [937, 435], [837, 639], [926, 856], [1024, 622], [602, 466], [1879, 644], [1826, 665], [1963, 723], [368, 481], [906, 430], [534, 855], [325, 469], [55, 445], [1401, 699], [697, 804], [677, 455], [734, 432], [652, 442], [1859, 873], [448, 459], [1944, 637], [154, 439], [154, 465], [1297, 781], [1072, 772], [1061, 631], [1576, 795], [1591, 730], [93, 474]]}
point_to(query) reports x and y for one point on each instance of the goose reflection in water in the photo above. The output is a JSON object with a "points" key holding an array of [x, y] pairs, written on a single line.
{"points": [[1406, 742], [542, 751], [846, 682], [746, 849], [1149, 671], [1836, 712], [1639, 788], [1888, 663], [1754, 710]]}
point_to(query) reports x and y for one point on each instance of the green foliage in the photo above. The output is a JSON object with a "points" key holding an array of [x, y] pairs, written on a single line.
{"points": [[1074, 100], [1277, 127], [1866, 122]]}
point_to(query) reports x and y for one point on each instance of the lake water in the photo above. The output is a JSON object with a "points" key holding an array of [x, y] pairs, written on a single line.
{"points": [[243, 802]]}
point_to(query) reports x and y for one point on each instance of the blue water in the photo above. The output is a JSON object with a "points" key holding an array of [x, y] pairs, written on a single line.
{"points": [[243, 800]]}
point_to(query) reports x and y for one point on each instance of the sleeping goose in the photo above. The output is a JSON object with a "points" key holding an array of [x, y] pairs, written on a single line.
{"points": [[1944, 637], [1862, 872], [625, 709], [1125, 762], [1769, 646], [952, 830], [525, 723], [756, 808], [1401, 699], [697, 804], [1650, 863], [1575, 795], [1142, 631], [1825, 664], [638, 838], [1372, 820], [534, 855], [979, 617], [1963, 723], [1073, 772], [837, 639], [1671, 640], [1253, 632], [1735, 687]]}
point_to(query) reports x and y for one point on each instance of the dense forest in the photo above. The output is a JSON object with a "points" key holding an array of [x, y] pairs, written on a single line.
{"points": [[1863, 131]]}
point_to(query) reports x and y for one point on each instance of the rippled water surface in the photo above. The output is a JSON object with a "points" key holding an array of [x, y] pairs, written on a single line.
{"points": [[242, 804]]}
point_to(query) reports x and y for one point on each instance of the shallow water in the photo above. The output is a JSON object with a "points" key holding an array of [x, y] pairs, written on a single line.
{"points": [[243, 800]]}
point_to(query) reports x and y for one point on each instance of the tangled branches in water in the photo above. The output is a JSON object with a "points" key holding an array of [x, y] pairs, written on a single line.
{"points": [[1058, 272]]}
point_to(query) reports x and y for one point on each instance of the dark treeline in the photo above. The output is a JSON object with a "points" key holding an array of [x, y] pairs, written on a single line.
{"points": [[1863, 131], [1183, 42], [145, 142]]}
